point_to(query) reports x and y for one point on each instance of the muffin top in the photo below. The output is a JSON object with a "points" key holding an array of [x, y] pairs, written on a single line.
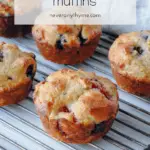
{"points": [[130, 54], [15, 66], [78, 96], [60, 36], [6, 7]]}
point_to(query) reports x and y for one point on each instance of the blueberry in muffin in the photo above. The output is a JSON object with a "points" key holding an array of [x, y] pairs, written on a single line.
{"points": [[7, 27], [130, 62], [17, 70], [76, 106], [61, 43]]}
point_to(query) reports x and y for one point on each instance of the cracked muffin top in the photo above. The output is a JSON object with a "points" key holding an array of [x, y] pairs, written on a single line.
{"points": [[78, 96], [6, 7], [16, 67], [130, 53], [70, 36]]}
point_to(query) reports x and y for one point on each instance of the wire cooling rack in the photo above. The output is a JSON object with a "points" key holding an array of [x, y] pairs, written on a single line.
{"points": [[21, 129]]}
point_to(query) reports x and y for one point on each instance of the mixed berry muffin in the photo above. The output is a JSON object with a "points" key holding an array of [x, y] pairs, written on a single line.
{"points": [[76, 106], [7, 27], [66, 44], [130, 62], [17, 70]]}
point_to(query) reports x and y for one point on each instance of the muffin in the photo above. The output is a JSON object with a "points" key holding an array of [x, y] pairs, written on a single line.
{"points": [[7, 27], [130, 62], [66, 44], [17, 70], [76, 106]]}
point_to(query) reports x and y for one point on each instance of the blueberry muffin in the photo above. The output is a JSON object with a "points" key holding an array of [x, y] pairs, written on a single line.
{"points": [[17, 70], [66, 44], [76, 106], [7, 27], [130, 62]]}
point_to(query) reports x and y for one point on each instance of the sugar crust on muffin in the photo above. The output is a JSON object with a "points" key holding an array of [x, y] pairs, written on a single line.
{"points": [[6, 8], [61, 43], [130, 55], [77, 101], [68, 35], [17, 70]]}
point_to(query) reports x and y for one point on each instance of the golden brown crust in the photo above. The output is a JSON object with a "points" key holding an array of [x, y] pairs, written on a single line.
{"points": [[130, 85], [130, 62], [68, 132], [15, 95], [76, 106], [130, 53], [7, 8], [65, 56], [61, 43], [71, 35], [17, 70]]}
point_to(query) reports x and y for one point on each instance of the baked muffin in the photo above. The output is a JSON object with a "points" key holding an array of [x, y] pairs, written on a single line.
{"points": [[66, 44], [17, 70], [76, 106], [7, 27], [130, 62]]}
